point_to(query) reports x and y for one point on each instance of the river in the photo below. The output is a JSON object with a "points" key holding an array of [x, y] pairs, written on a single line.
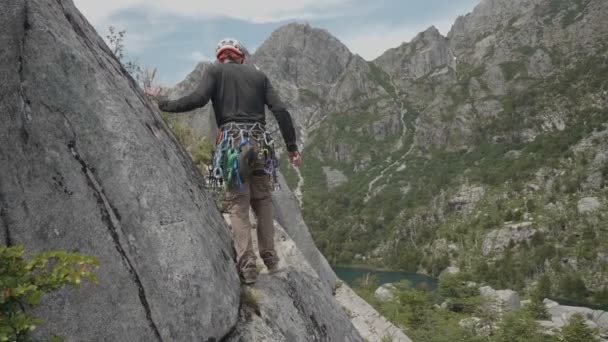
{"points": [[350, 274]]}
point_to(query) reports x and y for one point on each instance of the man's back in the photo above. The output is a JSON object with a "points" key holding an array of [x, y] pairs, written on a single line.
{"points": [[239, 94]]}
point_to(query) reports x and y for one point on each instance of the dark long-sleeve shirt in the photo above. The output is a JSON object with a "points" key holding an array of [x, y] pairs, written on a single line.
{"points": [[239, 93]]}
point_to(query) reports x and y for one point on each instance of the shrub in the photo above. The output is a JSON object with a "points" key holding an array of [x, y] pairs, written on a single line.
{"points": [[367, 283], [577, 330], [537, 308], [572, 286], [519, 327], [24, 282], [456, 286], [199, 148], [543, 289], [202, 154]]}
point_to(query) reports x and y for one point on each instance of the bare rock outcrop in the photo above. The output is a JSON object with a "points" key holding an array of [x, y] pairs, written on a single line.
{"points": [[88, 165]]}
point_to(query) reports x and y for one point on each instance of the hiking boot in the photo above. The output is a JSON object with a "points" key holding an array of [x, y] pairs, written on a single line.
{"points": [[274, 268], [249, 272], [249, 276], [271, 260]]}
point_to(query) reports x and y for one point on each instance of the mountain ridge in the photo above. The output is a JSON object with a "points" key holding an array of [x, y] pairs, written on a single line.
{"points": [[504, 97]]}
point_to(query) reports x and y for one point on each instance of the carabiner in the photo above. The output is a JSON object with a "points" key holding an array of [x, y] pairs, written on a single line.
{"points": [[268, 140]]}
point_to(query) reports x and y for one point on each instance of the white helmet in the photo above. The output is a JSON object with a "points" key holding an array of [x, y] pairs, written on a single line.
{"points": [[229, 44]]}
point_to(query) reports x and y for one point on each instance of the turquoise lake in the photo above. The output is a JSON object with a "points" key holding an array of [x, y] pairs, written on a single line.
{"points": [[349, 275]]}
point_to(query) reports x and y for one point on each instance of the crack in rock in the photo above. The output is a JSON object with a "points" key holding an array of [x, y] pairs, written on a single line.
{"points": [[110, 218], [314, 330], [25, 102], [4, 223]]}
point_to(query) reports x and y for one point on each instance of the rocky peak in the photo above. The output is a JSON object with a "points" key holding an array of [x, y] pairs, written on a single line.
{"points": [[428, 51], [306, 64], [431, 33], [489, 14], [303, 55]]}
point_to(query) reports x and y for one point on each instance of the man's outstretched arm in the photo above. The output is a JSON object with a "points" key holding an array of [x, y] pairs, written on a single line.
{"points": [[198, 98], [283, 117]]}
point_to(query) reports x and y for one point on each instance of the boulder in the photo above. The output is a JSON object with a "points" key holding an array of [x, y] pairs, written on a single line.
{"points": [[588, 205], [88, 165], [509, 299], [601, 320], [594, 181], [500, 301], [334, 177], [385, 292], [451, 270], [561, 314], [444, 246], [466, 199], [475, 326], [497, 240]]}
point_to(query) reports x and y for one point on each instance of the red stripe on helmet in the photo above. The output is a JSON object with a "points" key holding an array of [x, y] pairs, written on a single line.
{"points": [[229, 48]]}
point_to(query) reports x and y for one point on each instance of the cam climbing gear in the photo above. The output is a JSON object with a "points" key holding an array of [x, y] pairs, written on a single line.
{"points": [[231, 140]]}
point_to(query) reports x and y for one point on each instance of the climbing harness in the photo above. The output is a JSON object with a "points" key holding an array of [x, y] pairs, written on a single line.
{"points": [[231, 140]]}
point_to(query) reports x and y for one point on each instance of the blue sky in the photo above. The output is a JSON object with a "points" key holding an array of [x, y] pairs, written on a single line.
{"points": [[174, 35]]}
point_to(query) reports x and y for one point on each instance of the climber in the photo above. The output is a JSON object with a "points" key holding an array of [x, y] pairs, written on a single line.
{"points": [[244, 157]]}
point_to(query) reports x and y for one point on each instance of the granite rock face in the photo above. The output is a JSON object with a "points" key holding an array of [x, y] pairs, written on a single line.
{"points": [[282, 307], [288, 215], [88, 165], [293, 304]]}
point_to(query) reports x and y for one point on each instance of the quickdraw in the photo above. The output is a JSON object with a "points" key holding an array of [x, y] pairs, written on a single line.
{"points": [[229, 143]]}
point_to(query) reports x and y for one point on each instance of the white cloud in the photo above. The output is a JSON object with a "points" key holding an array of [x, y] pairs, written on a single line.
{"points": [[138, 36], [198, 56], [372, 41], [254, 11]]}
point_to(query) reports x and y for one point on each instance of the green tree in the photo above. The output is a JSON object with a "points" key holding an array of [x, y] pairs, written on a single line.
{"points": [[199, 148], [577, 330], [24, 282], [202, 154], [456, 286], [601, 297], [572, 286], [519, 327], [419, 303], [537, 308]]}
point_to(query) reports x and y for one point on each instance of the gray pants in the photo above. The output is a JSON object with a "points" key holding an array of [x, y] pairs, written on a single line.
{"points": [[256, 192]]}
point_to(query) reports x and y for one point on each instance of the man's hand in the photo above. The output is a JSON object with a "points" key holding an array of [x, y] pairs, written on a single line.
{"points": [[153, 93], [295, 158]]}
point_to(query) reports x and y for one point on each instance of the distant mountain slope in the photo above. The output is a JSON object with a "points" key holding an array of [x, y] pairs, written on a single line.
{"points": [[485, 149]]}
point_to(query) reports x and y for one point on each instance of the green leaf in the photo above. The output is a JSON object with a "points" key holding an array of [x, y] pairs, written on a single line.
{"points": [[34, 298]]}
